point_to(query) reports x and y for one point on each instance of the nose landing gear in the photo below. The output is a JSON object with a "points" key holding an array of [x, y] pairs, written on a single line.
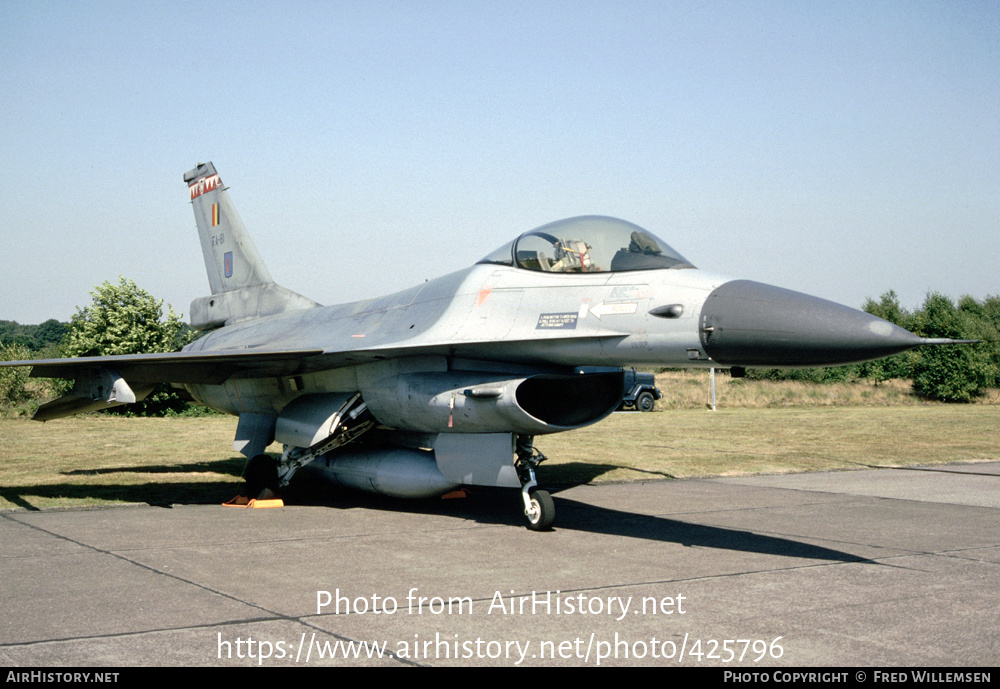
{"points": [[539, 509]]}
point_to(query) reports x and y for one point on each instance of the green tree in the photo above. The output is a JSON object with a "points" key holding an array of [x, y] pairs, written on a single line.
{"points": [[897, 365], [34, 337], [51, 332], [983, 323], [124, 319], [13, 380], [953, 373]]}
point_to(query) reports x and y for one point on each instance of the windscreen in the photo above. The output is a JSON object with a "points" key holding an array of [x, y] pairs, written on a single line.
{"points": [[588, 244]]}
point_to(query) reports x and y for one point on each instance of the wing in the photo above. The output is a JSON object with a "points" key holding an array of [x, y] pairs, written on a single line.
{"points": [[102, 382], [107, 381], [177, 367]]}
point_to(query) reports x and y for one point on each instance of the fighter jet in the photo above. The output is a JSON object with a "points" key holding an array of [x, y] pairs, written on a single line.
{"points": [[447, 384]]}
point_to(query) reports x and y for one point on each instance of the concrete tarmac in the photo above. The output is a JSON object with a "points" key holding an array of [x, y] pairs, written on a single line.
{"points": [[860, 568]]}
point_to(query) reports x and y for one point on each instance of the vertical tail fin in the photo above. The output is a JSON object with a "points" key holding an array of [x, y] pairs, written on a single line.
{"points": [[231, 259], [242, 287]]}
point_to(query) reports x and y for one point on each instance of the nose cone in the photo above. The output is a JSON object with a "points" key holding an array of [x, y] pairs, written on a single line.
{"points": [[745, 323]]}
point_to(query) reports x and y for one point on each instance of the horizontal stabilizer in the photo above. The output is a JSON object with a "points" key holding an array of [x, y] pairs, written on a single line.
{"points": [[250, 302]]}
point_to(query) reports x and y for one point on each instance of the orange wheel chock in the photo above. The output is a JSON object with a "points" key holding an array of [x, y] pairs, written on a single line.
{"points": [[241, 501]]}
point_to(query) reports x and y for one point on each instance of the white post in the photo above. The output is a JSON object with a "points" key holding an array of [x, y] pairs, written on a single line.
{"points": [[713, 387]]}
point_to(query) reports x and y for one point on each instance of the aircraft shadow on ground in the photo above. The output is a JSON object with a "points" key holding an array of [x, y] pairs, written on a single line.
{"points": [[155, 493], [580, 516], [499, 506], [163, 494], [495, 506], [562, 476], [232, 466]]}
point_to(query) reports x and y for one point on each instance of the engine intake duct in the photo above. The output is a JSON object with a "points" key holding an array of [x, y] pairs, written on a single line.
{"points": [[570, 400], [479, 402]]}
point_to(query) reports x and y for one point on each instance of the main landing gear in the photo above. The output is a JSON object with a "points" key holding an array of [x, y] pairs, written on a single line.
{"points": [[539, 509], [261, 476], [265, 475]]}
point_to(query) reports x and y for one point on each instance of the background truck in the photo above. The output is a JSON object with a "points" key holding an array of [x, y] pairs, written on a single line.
{"points": [[641, 392]]}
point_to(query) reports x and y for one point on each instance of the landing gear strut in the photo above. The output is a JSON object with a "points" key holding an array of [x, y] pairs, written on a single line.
{"points": [[265, 476], [539, 509]]}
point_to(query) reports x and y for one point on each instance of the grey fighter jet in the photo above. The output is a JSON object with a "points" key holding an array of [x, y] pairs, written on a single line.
{"points": [[446, 384]]}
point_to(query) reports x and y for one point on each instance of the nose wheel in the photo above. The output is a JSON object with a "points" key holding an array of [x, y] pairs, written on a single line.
{"points": [[539, 509]]}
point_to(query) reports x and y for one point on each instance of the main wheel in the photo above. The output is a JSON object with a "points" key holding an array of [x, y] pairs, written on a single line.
{"points": [[261, 475], [645, 401], [542, 512]]}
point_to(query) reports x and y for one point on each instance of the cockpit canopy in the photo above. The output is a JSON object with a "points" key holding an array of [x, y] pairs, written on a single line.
{"points": [[588, 244]]}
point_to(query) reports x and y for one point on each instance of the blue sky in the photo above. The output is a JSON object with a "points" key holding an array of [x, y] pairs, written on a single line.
{"points": [[842, 149]]}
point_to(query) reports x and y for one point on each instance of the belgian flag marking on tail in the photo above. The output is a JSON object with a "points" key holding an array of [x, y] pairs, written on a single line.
{"points": [[215, 214]]}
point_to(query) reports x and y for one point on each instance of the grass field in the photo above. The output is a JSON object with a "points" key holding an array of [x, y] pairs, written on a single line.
{"points": [[98, 460]]}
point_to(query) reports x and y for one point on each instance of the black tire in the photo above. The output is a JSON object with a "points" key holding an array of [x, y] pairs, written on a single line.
{"points": [[544, 511], [261, 474], [645, 401]]}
